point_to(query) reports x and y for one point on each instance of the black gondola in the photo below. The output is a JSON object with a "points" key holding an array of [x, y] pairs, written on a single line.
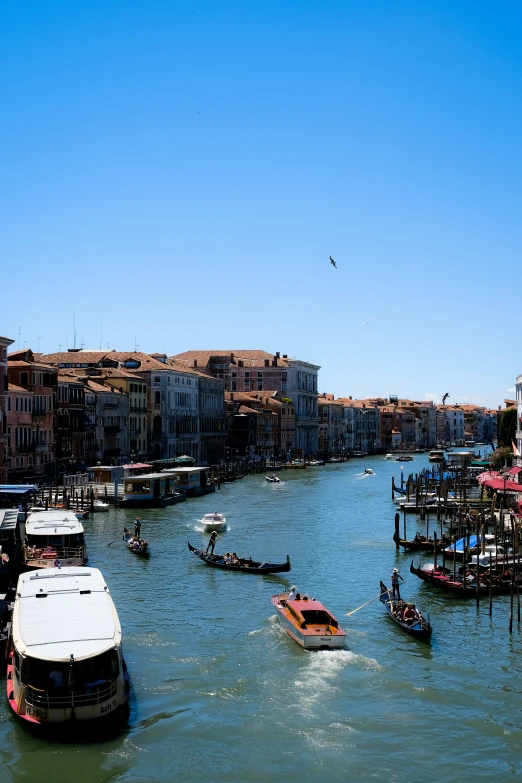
{"points": [[142, 550], [421, 629], [248, 566], [421, 544]]}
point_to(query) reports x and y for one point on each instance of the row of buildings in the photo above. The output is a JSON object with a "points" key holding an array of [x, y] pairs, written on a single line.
{"points": [[69, 410]]}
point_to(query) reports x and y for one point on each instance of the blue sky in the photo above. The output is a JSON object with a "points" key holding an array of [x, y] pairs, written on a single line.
{"points": [[178, 173]]}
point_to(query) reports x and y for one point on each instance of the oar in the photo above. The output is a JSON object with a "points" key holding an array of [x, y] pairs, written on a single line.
{"points": [[366, 604], [194, 560], [112, 542]]}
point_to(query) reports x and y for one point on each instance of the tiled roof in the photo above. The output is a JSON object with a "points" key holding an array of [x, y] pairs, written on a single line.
{"points": [[14, 387], [250, 358], [98, 387], [68, 378]]}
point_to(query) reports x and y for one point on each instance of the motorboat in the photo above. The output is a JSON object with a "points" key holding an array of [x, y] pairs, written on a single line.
{"points": [[334, 459], [213, 521], [273, 479], [389, 456], [308, 623], [368, 472], [436, 455], [100, 505], [66, 661], [296, 464], [53, 539], [404, 458], [315, 463]]}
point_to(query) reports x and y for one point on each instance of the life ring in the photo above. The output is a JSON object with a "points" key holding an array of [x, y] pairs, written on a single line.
{"points": [[56, 563]]}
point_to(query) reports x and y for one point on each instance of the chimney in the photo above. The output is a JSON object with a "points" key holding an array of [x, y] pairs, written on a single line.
{"points": [[278, 355], [267, 362], [240, 362], [195, 362], [285, 356], [350, 397]]}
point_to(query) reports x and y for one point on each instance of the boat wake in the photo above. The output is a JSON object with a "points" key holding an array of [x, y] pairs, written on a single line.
{"points": [[323, 668]]}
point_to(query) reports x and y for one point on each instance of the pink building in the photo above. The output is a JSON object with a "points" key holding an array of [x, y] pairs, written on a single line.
{"points": [[21, 434]]}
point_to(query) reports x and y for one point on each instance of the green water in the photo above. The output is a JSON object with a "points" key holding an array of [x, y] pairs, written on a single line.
{"points": [[220, 693]]}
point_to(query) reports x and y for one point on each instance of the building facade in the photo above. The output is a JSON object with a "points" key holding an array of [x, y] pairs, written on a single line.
{"points": [[5, 342]]}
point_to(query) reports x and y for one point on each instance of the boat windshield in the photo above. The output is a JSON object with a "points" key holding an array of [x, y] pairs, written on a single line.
{"points": [[318, 617], [55, 683], [74, 540]]}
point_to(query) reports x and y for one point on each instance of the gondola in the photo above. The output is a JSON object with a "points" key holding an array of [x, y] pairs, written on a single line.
{"points": [[444, 580], [419, 545], [421, 629], [142, 551], [248, 566]]}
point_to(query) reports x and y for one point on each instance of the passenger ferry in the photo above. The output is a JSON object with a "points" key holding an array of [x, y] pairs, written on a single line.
{"points": [[53, 538], [65, 659], [309, 623]]}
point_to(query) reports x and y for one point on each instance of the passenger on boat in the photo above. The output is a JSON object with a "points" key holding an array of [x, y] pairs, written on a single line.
{"points": [[228, 558], [292, 594], [136, 544], [298, 596], [408, 615], [235, 559], [55, 678], [212, 542], [417, 538], [396, 584]]}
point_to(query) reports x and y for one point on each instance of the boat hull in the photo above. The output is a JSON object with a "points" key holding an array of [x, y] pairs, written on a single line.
{"points": [[256, 567], [419, 629]]}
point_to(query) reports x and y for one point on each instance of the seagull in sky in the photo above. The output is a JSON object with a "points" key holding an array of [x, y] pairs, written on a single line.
{"points": [[333, 262]]}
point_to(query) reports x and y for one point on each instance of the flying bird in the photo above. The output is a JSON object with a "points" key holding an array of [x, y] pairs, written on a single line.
{"points": [[333, 262], [444, 398]]}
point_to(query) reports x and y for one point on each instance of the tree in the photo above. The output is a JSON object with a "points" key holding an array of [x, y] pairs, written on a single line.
{"points": [[507, 430], [498, 458]]}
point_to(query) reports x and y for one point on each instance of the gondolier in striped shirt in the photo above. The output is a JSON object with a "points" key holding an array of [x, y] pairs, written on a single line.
{"points": [[212, 542], [395, 577]]}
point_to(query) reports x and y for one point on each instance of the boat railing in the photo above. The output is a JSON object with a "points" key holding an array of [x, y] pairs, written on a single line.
{"points": [[95, 695], [52, 553]]}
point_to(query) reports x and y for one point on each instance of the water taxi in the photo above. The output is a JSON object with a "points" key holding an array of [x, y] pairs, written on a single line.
{"points": [[309, 623], [65, 658], [53, 538], [437, 455]]}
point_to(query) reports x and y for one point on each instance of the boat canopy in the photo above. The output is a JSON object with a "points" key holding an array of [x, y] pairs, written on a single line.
{"points": [[467, 541], [64, 612], [59, 523]]}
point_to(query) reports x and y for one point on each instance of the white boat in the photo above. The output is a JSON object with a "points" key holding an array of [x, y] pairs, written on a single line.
{"points": [[53, 538], [99, 505], [369, 472], [389, 456], [273, 479], [315, 463], [66, 661], [213, 521]]}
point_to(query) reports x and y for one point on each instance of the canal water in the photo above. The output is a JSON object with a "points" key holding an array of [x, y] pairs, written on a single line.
{"points": [[220, 693]]}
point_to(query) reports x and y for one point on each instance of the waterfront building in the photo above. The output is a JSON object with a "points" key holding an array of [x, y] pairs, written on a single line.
{"points": [[252, 428], [270, 436], [5, 342], [135, 388], [332, 425], [41, 379], [454, 428], [255, 370], [70, 423], [365, 425], [107, 414], [21, 435]]}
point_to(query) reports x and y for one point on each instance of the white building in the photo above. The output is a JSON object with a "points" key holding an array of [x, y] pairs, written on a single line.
{"points": [[455, 418], [302, 389]]}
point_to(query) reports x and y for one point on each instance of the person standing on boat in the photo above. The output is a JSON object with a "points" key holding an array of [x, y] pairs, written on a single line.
{"points": [[212, 542], [292, 594], [395, 577], [137, 527]]}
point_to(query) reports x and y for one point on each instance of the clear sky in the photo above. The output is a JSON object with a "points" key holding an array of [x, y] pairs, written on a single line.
{"points": [[177, 174]]}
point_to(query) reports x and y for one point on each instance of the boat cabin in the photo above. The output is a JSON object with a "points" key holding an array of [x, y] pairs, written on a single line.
{"points": [[53, 538], [437, 455], [151, 489], [65, 652], [193, 481]]}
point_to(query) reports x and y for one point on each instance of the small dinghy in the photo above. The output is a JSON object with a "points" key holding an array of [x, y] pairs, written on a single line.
{"points": [[240, 564], [273, 479], [99, 505], [416, 625], [213, 521], [368, 472]]}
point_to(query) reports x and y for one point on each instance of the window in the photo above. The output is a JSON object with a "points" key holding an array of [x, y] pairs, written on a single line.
{"points": [[157, 379], [24, 379], [247, 375], [157, 398]]}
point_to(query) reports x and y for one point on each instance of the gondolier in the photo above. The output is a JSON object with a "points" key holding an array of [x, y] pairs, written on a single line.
{"points": [[212, 542], [395, 577], [137, 527]]}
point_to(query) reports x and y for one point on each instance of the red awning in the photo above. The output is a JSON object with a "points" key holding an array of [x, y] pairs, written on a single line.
{"points": [[488, 474], [514, 471], [502, 486], [136, 465]]}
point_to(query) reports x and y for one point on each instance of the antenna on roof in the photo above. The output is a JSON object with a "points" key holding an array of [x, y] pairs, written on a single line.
{"points": [[19, 333], [38, 343]]}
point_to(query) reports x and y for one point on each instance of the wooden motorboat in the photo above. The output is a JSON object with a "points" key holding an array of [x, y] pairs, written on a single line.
{"points": [[249, 566], [273, 479], [142, 550], [419, 628], [309, 623], [213, 521]]}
